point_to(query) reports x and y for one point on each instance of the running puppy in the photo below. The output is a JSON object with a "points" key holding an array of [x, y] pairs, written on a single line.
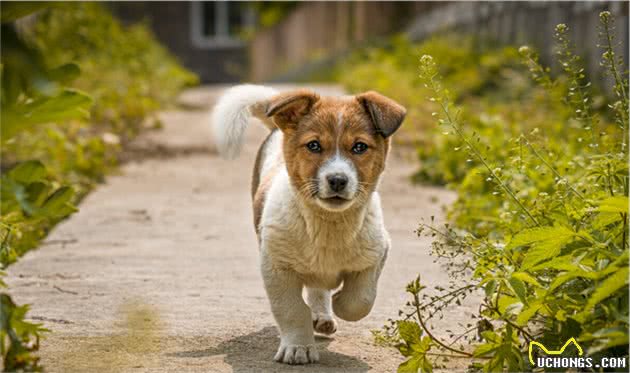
{"points": [[316, 210]]}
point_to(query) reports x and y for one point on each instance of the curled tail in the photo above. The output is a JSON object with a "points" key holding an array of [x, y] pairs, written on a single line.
{"points": [[231, 114]]}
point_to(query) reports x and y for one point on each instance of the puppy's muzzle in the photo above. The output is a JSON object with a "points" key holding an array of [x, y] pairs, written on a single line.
{"points": [[337, 182]]}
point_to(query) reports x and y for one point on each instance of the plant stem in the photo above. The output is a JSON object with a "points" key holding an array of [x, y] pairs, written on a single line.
{"points": [[527, 336], [426, 330], [458, 356], [452, 295], [553, 170], [463, 334], [472, 147], [625, 230], [619, 85]]}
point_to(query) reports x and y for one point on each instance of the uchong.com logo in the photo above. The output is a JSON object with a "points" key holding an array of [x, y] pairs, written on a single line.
{"points": [[554, 358]]}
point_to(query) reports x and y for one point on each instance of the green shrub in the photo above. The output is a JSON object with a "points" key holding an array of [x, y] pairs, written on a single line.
{"points": [[541, 223], [491, 84], [75, 86], [18, 338], [128, 73]]}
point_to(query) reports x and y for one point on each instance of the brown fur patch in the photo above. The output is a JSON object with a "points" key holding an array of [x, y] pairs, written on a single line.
{"points": [[337, 124], [260, 185]]}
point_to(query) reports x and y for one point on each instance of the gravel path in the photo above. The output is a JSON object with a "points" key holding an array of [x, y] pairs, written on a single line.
{"points": [[158, 271]]}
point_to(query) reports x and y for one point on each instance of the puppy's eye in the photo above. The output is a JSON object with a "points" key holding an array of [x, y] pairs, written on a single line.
{"points": [[359, 148], [314, 146]]}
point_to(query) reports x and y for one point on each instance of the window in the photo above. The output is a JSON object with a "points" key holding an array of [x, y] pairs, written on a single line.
{"points": [[217, 24]]}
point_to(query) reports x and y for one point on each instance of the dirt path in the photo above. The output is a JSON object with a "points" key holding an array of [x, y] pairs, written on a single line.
{"points": [[158, 271]]}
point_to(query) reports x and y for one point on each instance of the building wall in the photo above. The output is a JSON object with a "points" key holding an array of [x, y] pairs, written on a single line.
{"points": [[171, 22], [317, 32], [529, 23]]}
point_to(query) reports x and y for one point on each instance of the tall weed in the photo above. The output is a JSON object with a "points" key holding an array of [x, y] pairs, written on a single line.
{"points": [[540, 230]]}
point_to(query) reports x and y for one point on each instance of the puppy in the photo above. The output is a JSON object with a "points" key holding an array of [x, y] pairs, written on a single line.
{"points": [[316, 210]]}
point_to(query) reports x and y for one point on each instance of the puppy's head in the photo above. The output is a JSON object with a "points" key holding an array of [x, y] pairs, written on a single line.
{"points": [[335, 148]]}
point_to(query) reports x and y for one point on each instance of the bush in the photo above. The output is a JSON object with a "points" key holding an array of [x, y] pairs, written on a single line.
{"points": [[89, 86], [541, 225], [476, 79], [75, 86]]}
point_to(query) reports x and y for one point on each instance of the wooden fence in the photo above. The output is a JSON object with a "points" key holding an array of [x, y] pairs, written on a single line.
{"points": [[316, 32]]}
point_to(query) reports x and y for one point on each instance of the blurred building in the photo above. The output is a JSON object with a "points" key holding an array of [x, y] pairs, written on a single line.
{"points": [[317, 33], [205, 36], [208, 36]]}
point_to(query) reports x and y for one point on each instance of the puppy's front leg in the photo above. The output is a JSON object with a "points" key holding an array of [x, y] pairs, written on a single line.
{"points": [[355, 299], [293, 316], [320, 302]]}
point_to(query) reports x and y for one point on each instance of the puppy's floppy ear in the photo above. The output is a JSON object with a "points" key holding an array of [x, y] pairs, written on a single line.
{"points": [[288, 108], [386, 114]]}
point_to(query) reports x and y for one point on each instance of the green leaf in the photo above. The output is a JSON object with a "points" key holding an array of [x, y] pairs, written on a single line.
{"points": [[37, 192], [519, 289], [544, 242], [614, 204], [484, 349], [533, 235], [526, 277], [606, 338], [561, 279], [527, 313], [409, 331], [28, 172], [561, 263], [504, 302], [490, 287], [610, 210], [419, 360], [65, 73], [58, 204], [601, 345], [410, 366], [608, 287], [69, 104], [542, 251]]}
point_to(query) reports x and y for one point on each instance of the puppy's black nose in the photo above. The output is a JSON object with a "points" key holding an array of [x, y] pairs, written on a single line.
{"points": [[337, 182]]}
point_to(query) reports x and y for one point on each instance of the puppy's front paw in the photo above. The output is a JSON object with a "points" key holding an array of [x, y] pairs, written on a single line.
{"points": [[297, 354], [324, 324]]}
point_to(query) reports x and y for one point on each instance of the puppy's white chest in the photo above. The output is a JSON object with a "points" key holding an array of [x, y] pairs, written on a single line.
{"points": [[334, 249], [322, 259], [321, 250]]}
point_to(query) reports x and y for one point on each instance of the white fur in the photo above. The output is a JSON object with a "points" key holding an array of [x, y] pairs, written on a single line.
{"points": [[231, 116], [338, 165], [320, 303], [272, 152], [304, 247], [301, 248]]}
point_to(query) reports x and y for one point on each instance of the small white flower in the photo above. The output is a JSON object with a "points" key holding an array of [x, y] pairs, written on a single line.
{"points": [[110, 138]]}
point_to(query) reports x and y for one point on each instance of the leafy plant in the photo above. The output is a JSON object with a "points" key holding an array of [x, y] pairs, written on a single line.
{"points": [[540, 229], [48, 116], [31, 203], [18, 338], [75, 86]]}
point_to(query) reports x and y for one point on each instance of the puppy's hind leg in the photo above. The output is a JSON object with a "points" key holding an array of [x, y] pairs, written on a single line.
{"points": [[320, 301]]}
